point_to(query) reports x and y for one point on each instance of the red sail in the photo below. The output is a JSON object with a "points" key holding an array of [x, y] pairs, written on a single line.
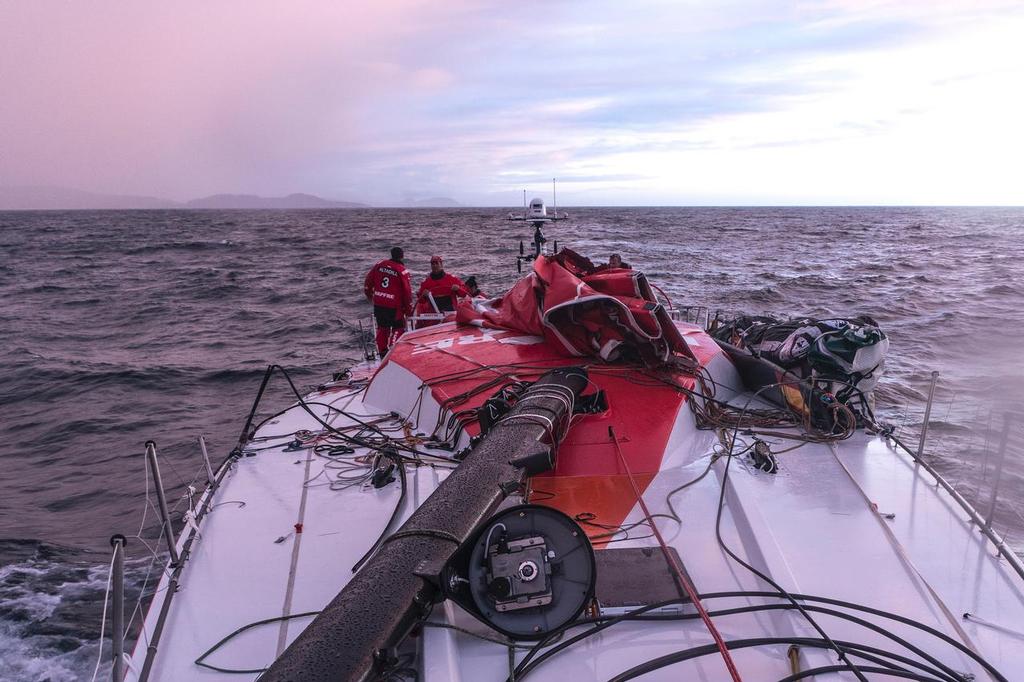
{"points": [[586, 311]]}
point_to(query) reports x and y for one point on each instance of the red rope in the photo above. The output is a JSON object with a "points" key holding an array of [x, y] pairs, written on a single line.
{"points": [[669, 300], [673, 562]]}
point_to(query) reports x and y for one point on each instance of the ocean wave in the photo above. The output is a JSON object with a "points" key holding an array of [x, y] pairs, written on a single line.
{"points": [[55, 380], [82, 302], [51, 599], [179, 246], [1003, 290], [47, 289]]}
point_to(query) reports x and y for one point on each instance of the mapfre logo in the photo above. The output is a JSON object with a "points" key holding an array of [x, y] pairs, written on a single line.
{"points": [[484, 336]]}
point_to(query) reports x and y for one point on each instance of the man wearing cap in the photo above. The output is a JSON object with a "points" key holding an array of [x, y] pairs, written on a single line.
{"points": [[389, 288], [445, 288]]}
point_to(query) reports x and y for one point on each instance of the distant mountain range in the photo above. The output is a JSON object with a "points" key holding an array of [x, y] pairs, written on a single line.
{"points": [[434, 202], [254, 202], [62, 198]]}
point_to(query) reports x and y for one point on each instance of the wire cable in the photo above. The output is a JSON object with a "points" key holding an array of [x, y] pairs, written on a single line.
{"points": [[699, 651], [760, 574], [640, 614], [103, 618], [673, 562]]}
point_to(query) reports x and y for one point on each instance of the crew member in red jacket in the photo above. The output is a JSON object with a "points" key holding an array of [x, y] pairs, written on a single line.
{"points": [[445, 288], [389, 288]]}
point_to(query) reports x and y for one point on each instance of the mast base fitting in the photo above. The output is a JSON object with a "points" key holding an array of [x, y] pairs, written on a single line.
{"points": [[525, 572]]}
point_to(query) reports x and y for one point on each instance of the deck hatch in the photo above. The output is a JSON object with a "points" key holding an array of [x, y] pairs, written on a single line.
{"points": [[631, 577]]}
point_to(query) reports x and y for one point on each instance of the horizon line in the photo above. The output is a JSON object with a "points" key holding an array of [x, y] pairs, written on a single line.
{"points": [[506, 208]]}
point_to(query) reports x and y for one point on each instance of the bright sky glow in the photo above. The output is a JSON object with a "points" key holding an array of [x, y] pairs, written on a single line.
{"points": [[647, 102]]}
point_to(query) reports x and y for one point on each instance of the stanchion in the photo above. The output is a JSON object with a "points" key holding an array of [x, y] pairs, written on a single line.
{"points": [[118, 542], [211, 479], [927, 414], [1000, 459], [158, 483]]}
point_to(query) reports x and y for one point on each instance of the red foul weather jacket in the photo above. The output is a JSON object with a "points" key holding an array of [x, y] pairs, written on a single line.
{"points": [[441, 289], [388, 285]]}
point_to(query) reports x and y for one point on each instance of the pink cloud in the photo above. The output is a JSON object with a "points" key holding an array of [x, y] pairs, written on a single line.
{"points": [[180, 98]]}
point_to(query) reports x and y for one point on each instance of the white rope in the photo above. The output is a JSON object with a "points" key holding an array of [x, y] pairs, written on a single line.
{"points": [[103, 619]]}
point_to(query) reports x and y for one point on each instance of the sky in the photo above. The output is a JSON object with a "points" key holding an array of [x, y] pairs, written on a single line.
{"points": [[626, 103]]}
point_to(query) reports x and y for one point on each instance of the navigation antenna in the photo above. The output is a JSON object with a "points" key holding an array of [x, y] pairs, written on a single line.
{"points": [[554, 197]]}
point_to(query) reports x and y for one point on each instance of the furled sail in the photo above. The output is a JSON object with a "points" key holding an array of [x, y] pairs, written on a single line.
{"points": [[585, 310]]}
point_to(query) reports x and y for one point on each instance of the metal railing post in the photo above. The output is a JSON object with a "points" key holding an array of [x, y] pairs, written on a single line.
{"points": [[117, 617], [158, 483], [927, 414], [206, 460], [1000, 459], [1004, 550]]}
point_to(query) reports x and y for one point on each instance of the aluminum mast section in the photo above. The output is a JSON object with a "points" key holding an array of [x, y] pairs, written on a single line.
{"points": [[351, 638]]}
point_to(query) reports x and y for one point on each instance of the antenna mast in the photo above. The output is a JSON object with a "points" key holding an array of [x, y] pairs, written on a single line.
{"points": [[554, 197]]}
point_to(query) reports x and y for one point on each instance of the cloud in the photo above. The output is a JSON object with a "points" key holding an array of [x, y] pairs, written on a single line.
{"points": [[653, 101]]}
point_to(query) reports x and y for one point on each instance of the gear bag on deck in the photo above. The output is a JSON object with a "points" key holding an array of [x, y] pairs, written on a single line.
{"points": [[844, 357]]}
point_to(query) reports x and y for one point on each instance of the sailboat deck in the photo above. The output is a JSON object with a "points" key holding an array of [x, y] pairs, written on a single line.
{"points": [[855, 521]]}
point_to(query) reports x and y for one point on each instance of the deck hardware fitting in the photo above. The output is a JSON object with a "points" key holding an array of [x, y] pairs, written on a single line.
{"points": [[793, 653], [995, 626]]}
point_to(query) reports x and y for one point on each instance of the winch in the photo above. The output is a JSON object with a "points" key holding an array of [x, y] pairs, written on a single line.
{"points": [[517, 573]]}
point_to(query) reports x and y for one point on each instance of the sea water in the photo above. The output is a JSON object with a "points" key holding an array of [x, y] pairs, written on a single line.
{"points": [[123, 326]]}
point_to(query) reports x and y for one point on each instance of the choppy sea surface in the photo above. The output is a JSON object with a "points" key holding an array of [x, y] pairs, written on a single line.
{"points": [[123, 326]]}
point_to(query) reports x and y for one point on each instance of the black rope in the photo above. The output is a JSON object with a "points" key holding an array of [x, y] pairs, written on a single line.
{"points": [[640, 614], [394, 513], [202, 657], [760, 574], [699, 651]]}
